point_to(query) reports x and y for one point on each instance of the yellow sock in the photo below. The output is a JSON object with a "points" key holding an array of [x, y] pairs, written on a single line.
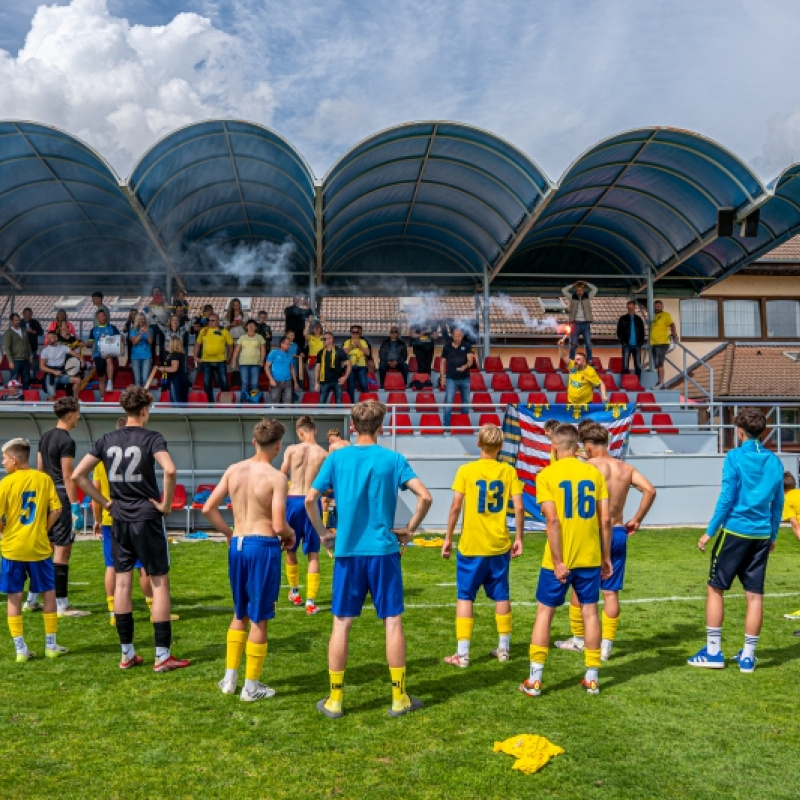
{"points": [[464, 627], [325, 515], [334, 701], [235, 648], [592, 658], [538, 654], [256, 653], [576, 621], [16, 626], [293, 575], [503, 624], [312, 585], [610, 625], [50, 623], [400, 698], [110, 603]]}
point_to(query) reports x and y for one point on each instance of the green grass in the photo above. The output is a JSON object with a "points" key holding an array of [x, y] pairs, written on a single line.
{"points": [[78, 727]]}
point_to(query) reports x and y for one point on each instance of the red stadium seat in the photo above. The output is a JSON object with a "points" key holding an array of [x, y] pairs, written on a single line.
{"points": [[482, 401], [476, 382], [562, 365], [538, 399], [597, 397], [618, 398], [309, 399], [662, 423], [553, 382], [31, 395], [598, 364], [88, 396], [608, 380], [493, 364], [430, 425], [460, 424], [543, 364], [638, 425], [197, 397], [489, 419], [164, 396], [519, 364], [368, 396], [561, 399], [412, 364], [399, 400], [646, 401], [403, 422], [527, 383], [509, 399], [436, 363], [501, 382], [198, 380], [180, 501], [394, 382], [421, 377], [60, 393], [346, 399], [615, 364], [425, 401], [630, 383], [4, 363], [114, 396]]}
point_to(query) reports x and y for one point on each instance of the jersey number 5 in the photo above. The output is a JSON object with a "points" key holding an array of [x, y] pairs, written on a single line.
{"points": [[28, 508], [586, 501], [131, 475], [496, 489]]}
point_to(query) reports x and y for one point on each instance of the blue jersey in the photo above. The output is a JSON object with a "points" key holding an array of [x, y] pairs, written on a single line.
{"points": [[366, 479], [98, 332], [751, 497]]}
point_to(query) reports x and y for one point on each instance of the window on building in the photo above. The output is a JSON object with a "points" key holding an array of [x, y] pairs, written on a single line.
{"points": [[790, 417], [699, 319], [783, 319], [742, 319]]}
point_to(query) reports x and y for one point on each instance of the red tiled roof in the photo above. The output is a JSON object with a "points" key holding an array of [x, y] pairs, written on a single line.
{"points": [[788, 251]]}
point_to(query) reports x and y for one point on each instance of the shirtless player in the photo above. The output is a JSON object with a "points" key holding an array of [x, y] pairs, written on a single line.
{"points": [[329, 518], [258, 499], [335, 440], [302, 462], [620, 477]]}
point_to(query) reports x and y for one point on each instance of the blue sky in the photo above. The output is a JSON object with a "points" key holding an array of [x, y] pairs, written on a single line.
{"points": [[552, 77]]}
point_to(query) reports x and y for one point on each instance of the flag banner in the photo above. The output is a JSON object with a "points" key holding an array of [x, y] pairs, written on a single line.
{"points": [[527, 447]]}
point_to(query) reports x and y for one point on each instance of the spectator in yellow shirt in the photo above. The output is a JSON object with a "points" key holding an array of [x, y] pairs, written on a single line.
{"points": [[213, 348], [581, 379], [662, 331], [358, 351]]}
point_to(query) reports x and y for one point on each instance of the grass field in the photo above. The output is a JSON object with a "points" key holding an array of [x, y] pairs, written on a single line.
{"points": [[78, 727]]}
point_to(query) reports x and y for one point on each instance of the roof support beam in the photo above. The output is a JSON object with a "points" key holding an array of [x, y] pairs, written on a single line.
{"points": [[5, 272], [419, 181], [319, 230], [151, 231], [528, 221], [236, 178]]}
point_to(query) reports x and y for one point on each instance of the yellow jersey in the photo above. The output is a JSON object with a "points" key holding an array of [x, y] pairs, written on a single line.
{"points": [[581, 383], [660, 328], [575, 488], [101, 477], [791, 504], [214, 341], [487, 486], [314, 344], [27, 497], [358, 355]]}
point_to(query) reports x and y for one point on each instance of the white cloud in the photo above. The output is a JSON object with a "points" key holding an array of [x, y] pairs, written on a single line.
{"points": [[120, 86]]}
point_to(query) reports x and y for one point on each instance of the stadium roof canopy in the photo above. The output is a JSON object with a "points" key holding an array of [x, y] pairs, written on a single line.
{"points": [[230, 205]]}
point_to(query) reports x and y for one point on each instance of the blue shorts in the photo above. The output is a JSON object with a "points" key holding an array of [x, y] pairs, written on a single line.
{"points": [[254, 570], [491, 572], [354, 576], [584, 580], [619, 555], [13, 573], [107, 549], [298, 520]]}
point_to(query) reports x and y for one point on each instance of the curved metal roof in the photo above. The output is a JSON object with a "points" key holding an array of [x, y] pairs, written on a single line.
{"points": [[638, 201], [62, 212], [425, 200], [222, 183]]}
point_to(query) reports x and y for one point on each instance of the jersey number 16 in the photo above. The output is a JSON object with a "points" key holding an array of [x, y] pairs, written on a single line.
{"points": [[586, 501]]}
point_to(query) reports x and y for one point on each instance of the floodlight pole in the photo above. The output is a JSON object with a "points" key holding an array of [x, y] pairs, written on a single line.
{"points": [[487, 335]]}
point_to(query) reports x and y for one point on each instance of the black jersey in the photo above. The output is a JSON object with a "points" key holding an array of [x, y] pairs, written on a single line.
{"points": [[53, 446], [129, 458]]}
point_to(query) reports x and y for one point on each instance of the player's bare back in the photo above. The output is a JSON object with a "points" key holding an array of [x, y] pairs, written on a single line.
{"points": [[302, 462], [619, 479], [251, 485]]}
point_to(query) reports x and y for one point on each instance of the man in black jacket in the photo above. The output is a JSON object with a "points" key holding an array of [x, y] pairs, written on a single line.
{"points": [[393, 355], [630, 332]]}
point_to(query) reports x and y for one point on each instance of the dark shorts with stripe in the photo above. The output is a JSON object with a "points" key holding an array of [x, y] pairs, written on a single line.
{"points": [[62, 534], [142, 541], [739, 557]]}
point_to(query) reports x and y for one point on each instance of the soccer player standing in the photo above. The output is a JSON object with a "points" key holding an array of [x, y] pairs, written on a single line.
{"points": [[367, 551], [56, 458], [302, 462], [29, 505], [258, 499], [745, 524], [129, 456], [574, 500], [483, 489]]}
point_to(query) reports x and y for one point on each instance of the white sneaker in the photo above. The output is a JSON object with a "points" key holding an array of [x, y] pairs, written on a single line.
{"points": [[262, 692], [500, 655], [457, 661], [34, 606], [605, 650], [570, 644], [227, 686], [69, 611], [110, 386], [55, 651]]}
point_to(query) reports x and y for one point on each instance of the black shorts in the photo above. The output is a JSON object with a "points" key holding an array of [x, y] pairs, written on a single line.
{"points": [[659, 354], [144, 540], [100, 366], [739, 557], [61, 533]]}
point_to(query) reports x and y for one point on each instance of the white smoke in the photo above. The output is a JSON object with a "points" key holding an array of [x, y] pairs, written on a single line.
{"points": [[513, 309], [265, 262]]}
